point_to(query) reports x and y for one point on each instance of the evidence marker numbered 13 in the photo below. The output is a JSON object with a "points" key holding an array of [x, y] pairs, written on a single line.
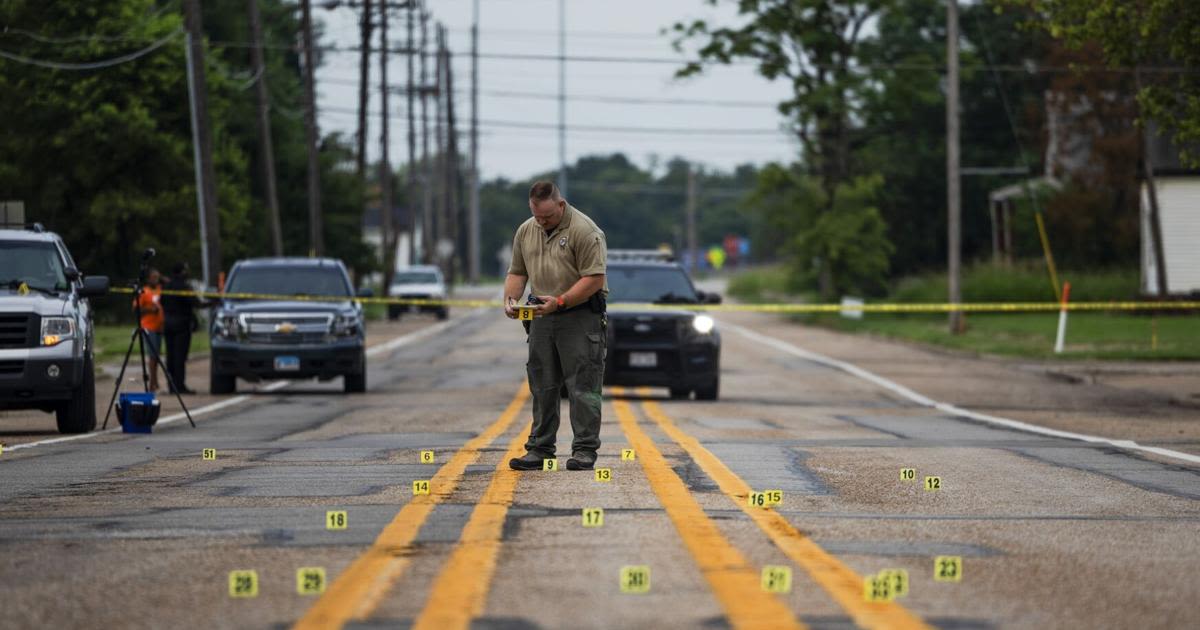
{"points": [[310, 580], [777, 579], [593, 517], [635, 579], [427, 457], [603, 474], [208, 454], [336, 519], [243, 584]]}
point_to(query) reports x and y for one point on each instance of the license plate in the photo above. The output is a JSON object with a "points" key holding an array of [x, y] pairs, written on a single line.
{"points": [[287, 364], [643, 359]]}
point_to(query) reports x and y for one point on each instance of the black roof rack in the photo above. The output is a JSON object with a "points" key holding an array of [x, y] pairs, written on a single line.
{"points": [[32, 227]]}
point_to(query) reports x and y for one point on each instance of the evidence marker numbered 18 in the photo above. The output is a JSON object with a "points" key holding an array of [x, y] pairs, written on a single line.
{"points": [[603, 474], [628, 455], [243, 584], [777, 579], [208, 454], [635, 579], [593, 517], [426, 457], [908, 474], [933, 484], [336, 519], [550, 464], [947, 569], [420, 486], [310, 580]]}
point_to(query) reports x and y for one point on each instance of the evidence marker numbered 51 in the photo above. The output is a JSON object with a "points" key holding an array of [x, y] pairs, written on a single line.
{"points": [[208, 454]]}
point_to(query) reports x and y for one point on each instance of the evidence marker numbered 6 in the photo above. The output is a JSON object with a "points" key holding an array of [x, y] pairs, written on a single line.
{"points": [[427, 457], [310, 580], [336, 519], [208, 454], [243, 584], [593, 517]]}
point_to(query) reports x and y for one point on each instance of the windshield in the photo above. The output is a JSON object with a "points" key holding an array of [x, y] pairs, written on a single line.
{"points": [[320, 281], [415, 277], [35, 263], [649, 284]]}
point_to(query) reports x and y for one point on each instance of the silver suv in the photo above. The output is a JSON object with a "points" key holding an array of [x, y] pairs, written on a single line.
{"points": [[46, 352]]}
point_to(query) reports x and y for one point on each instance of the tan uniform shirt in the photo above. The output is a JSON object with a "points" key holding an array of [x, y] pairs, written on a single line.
{"points": [[555, 262]]}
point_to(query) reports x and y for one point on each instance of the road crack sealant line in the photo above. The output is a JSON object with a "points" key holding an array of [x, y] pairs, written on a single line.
{"points": [[382, 348], [947, 408], [932, 307]]}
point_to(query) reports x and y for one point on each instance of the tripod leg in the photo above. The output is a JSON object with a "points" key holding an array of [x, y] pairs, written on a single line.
{"points": [[120, 377], [157, 359]]}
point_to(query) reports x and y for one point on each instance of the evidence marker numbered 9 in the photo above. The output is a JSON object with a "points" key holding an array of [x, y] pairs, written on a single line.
{"points": [[550, 464]]}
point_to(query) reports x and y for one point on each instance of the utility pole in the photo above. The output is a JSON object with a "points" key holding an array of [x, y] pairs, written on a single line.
{"points": [[267, 149], [427, 241], [410, 196], [364, 78], [439, 222], [473, 206], [316, 238], [562, 97], [453, 175], [953, 192], [1160, 259], [206, 187], [385, 167], [691, 218]]}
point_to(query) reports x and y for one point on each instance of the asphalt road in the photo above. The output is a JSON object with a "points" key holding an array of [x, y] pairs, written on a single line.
{"points": [[141, 531]]}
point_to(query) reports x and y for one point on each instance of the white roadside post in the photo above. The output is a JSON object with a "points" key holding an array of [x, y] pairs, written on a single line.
{"points": [[1062, 320]]}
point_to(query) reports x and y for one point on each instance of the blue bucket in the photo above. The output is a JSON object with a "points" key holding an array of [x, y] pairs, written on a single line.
{"points": [[137, 411]]}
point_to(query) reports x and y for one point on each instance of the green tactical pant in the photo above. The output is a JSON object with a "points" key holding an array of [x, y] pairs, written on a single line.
{"points": [[566, 347]]}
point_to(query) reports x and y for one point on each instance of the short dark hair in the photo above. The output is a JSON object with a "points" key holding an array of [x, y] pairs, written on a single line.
{"points": [[542, 190]]}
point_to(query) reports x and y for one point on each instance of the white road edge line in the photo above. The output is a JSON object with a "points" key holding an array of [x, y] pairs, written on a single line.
{"points": [[925, 401], [382, 348]]}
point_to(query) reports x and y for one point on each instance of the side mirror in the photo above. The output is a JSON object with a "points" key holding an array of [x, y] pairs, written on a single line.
{"points": [[71, 273], [366, 292], [94, 286], [712, 298]]}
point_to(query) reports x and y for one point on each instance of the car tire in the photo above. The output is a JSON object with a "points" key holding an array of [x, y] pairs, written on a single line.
{"points": [[220, 384], [679, 393], [78, 415], [355, 383], [711, 392], [443, 313]]}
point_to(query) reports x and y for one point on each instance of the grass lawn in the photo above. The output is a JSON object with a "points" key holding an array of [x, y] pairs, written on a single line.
{"points": [[113, 340], [1089, 335]]}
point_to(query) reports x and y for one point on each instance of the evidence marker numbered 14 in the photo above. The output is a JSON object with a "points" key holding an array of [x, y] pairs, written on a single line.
{"points": [[593, 517], [208, 454], [635, 579], [777, 579], [310, 580], [427, 457], [336, 519], [243, 584], [420, 486]]}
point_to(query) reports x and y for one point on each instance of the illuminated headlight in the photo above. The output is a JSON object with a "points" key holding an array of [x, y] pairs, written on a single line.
{"points": [[226, 325], [56, 330], [346, 324], [703, 324]]}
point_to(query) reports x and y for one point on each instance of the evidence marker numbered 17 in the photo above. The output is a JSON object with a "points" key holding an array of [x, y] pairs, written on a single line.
{"points": [[243, 584], [593, 517], [310, 580], [635, 579], [336, 519]]}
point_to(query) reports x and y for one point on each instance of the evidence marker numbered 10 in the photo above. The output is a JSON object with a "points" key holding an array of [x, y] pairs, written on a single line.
{"points": [[593, 517], [427, 457], [336, 519], [908, 474], [208, 454], [777, 579], [635, 579], [243, 584], [310, 580]]}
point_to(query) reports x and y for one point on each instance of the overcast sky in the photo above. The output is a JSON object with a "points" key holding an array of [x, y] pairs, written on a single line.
{"points": [[594, 27]]}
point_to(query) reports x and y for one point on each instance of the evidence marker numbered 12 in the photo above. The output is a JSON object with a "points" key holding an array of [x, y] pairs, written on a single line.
{"points": [[628, 455], [550, 464], [593, 517], [336, 519], [947, 569], [777, 579], [208, 454], [635, 579], [310, 580], [420, 486], [908, 474], [243, 584], [427, 457], [933, 484], [603, 474]]}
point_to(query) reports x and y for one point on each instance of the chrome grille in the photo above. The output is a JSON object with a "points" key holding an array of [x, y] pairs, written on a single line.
{"points": [[286, 328], [19, 330]]}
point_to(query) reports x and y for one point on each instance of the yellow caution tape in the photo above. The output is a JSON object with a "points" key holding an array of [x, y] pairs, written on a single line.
{"points": [[935, 307]]}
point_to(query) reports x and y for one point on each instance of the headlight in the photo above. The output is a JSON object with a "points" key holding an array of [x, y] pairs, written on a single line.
{"points": [[703, 324], [56, 330], [226, 325], [346, 324]]}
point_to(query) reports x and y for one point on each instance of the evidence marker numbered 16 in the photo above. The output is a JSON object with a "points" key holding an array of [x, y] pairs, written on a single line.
{"points": [[593, 517], [336, 519], [603, 474], [208, 454], [243, 584], [765, 499], [635, 579], [427, 457], [310, 580]]}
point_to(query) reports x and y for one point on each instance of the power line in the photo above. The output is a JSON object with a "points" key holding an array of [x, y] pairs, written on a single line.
{"points": [[94, 65]]}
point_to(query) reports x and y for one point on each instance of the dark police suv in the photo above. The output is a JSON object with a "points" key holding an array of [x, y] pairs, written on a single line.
{"points": [[46, 350], [674, 348], [293, 339]]}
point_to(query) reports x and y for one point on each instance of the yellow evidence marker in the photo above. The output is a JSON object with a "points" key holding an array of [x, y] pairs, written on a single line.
{"points": [[757, 499], [947, 569], [335, 519], [426, 457], [420, 486], [627, 455], [908, 474], [550, 464], [243, 584], [603, 474], [310, 580], [635, 579], [525, 313], [877, 589], [933, 483], [777, 579], [898, 579], [208, 454], [593, 517], [1, 448], [774, 497]]}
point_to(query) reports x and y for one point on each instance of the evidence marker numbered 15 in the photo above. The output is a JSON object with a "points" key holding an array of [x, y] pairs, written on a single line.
{"points": [[593, 517], [635, 579], [777, 579], [208, 454], [243, 584], [336, 519], [427, 457], [765, 499], [310, 580]]}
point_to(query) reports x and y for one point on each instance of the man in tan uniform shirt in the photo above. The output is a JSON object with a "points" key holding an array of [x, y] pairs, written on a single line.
{"points": [[563, 256]]}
